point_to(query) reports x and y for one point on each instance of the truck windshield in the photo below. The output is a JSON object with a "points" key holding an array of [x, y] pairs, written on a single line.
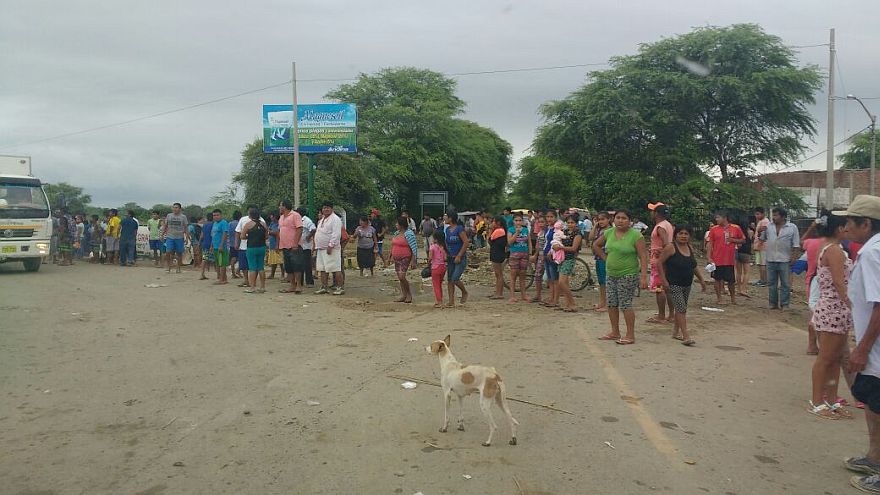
{"points": [[22, 201]]}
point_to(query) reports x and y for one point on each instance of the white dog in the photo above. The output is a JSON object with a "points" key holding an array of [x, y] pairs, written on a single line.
{"points": [[464, 380]]}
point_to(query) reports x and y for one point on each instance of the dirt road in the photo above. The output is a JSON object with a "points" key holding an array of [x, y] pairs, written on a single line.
{"points": [[111, 387]]}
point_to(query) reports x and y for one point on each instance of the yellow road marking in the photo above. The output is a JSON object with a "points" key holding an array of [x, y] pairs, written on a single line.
{"points": [[652, 428]]}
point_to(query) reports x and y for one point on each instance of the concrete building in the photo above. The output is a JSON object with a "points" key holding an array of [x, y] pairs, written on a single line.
{"points": [[811, 185]]}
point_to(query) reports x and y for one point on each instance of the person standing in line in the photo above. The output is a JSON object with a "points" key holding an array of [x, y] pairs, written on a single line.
{"points": [[307, 243], [155, 240], [550, 266], [602, 221], [365, 236], [781, 243], [626, 259], [410, 223], [220, 246], [381, 227], [80, 233], [241, 244], [832, 317], [810, 244], [128, 239], [760, 258], [507, 215], [661, 236], [404, 252], [571, 245], [195, 238], [273, 253], [744, 259], [539, 239], [207, 240], [255, 232], [498, 255], [290, 234], [480, 225], [678, 267], [176, 234], [233, 244], [520, 244], [66, 237], [723, 240], [427, 228], [111, 239], [97, 239], [863, 226], [328, 238], [437, 260], [456, 246]]}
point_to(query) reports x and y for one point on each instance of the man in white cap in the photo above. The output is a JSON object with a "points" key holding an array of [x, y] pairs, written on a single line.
{"points": [[863, 225]]}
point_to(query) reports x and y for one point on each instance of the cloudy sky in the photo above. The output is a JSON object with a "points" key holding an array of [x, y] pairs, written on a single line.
{"points": [[76, 65]]}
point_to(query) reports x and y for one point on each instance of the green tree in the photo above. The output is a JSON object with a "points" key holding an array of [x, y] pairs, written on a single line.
{"points": [[140, 212], [720, 98], [859, 153], [407, 127], [163, 209], [193, 211], [64, 194], [544, 182]]}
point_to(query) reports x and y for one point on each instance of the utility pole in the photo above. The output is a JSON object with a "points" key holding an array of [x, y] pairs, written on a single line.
{"points": [[829, 179], [295, 142]]}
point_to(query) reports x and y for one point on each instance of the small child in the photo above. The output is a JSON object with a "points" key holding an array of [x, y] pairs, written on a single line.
{"points": [[602, 222], [558, 237], [437, 256]]}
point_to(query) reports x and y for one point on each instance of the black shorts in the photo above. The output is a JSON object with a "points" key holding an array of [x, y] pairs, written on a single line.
{"points": [[866, 389], [294, 260], [724, 274]]}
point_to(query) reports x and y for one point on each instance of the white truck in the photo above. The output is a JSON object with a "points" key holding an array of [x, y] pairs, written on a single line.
{"points": [[25, 217]]}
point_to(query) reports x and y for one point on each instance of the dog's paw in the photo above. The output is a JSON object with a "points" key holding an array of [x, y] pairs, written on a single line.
{"points": [[486, 444], [460, 427], [513, 441], [443, 430]]}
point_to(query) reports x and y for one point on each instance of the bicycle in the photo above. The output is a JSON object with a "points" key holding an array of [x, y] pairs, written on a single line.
{"points": [[580, 280]]}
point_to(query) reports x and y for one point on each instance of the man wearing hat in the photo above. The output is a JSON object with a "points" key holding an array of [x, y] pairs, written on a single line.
{"points": [[660, 237], [863, 225]]}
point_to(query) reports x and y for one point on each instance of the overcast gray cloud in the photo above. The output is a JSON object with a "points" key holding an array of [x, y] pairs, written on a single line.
{"points": [[74, 65]]}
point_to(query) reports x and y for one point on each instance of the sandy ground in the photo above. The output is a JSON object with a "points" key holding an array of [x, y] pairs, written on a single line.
{"points": [[111, 387]]}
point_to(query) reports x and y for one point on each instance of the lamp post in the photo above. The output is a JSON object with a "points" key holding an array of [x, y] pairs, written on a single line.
{"points": [[873, 138]]}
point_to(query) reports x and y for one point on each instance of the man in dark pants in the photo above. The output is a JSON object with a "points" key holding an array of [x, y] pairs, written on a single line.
{"points": [[127, 239], [308, 233]]}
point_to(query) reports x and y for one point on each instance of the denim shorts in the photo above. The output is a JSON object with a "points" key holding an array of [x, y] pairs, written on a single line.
{"points": [[552, 270], [155, 244], [455, 270], [242, 259], [174, 245]]}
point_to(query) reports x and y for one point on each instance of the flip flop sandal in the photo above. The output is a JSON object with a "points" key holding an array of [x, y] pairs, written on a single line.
{"points": [[822, 411], [656, 320], [839, 410], [285, 291], [569, 310], [625, 341], [678, 337], [250, 291], [689, 342], [609, 337]]}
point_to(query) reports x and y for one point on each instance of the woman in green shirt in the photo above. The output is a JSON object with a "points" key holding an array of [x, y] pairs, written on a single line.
{"points": [[626, 262]]}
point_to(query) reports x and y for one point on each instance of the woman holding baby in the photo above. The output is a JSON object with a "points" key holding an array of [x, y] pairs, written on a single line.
{"points": [[626, 264]]}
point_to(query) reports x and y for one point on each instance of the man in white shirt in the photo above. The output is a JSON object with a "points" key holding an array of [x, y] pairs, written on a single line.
{"points": [[306, 242], [863, 225], [242, 249], [328, 237]]}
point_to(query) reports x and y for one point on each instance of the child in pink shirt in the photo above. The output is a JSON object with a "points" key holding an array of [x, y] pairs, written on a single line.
{"points": [[437, 258]]}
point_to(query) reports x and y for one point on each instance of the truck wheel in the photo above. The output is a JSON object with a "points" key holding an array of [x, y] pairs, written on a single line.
{"points": [[32, 264]]}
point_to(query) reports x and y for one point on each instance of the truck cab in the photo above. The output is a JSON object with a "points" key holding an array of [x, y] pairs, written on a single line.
{"points": [[25, 219]]}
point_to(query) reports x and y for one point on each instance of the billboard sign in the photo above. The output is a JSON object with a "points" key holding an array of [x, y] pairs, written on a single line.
{"points": [[323, 128]]}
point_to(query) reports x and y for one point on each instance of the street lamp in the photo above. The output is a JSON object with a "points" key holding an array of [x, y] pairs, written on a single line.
{"points": [[873, 138]]}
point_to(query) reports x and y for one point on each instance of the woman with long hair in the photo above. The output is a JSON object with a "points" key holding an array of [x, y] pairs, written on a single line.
{"points": [[678, 266], [497, 254], [626, 262], [404, 251], [520, 244], [832, 317], [457, 243], [255, 232]]}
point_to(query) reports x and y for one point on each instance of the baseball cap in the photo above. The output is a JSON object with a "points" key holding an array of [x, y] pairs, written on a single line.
{"points": [[864, 205], [653, 206]]}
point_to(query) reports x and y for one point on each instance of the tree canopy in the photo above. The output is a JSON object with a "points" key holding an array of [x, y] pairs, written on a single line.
{"points": [[859, 153], [66, 195]]}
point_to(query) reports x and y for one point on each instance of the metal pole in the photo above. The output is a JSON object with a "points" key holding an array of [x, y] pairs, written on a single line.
{"points": [[829, 158], [296, 187], [311, 185], [873, 151]]}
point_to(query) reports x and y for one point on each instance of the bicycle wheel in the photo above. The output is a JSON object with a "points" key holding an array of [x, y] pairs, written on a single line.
{"points": [[530, 276], [582, 276]]}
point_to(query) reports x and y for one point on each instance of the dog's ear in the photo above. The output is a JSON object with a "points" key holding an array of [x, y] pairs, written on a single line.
{"points": [[435, 347], [447, 339]]}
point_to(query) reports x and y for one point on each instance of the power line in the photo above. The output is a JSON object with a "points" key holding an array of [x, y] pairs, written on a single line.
{"points": [[244, 93], [809, 46], [825, 150]]}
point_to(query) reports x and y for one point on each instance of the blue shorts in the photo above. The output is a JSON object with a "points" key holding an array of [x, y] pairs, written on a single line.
{"points": [[600, 271], [242, 259], [256, 259], [172, 245], [552, 270], [155, 244], [454, 269]]}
